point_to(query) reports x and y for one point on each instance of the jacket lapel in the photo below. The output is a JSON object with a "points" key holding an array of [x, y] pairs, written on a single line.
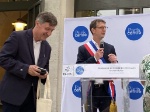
{"points": [[42, 53], [30, 43]]}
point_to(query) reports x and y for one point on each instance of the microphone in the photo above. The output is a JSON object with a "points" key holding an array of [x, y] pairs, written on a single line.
{"points": [[102, 44]]}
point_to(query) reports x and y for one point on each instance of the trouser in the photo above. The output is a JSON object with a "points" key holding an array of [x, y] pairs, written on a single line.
{"points": [[100, 99], [100, 103], [27, 106]]}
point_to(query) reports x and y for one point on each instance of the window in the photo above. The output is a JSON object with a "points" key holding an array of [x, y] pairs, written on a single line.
{"points": [[146, 10], [106, 12], [129, 11]]}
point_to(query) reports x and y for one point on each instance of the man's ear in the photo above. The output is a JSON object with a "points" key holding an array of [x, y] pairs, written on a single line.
{"points": [[37, 23], [92, 30]]}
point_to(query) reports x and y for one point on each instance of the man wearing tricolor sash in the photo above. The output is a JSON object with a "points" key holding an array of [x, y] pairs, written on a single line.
{"points": [[100, 92]]}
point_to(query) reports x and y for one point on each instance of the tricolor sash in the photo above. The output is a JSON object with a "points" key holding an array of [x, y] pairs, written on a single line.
{"points": [[91, 48], [111, 90]]}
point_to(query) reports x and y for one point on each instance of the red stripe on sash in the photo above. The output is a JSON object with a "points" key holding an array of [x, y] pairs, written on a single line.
{"points": [[89, 50], [112, 88]]}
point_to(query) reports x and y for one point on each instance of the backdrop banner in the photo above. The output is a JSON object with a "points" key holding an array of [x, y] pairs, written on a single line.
{"points": [[130, 36]]}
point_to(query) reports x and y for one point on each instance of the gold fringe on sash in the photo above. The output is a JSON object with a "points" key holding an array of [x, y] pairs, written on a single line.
{"points": [[113, 106]]}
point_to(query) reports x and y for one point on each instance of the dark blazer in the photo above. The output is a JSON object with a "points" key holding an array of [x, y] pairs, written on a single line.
{"points": [[15, 57], [84, 57]]}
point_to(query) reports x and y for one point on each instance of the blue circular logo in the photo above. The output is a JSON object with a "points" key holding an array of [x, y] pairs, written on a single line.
{"points": [[134, 31], [80, 33], [79, 70], [76, 89], [135, 90]]}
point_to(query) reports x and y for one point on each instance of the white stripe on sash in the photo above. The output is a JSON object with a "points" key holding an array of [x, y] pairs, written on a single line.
{"points": [[93, 50]]}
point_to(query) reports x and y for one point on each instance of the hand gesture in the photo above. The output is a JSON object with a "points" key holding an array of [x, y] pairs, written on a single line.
{"points": [[112, 58], [99, 53]]}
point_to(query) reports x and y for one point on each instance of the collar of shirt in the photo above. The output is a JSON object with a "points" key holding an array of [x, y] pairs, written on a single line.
{"points": [[36, 42], [95, 44]]}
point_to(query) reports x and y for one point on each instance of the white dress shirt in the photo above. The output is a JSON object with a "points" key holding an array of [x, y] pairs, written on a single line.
{"points": [[36, 46]]}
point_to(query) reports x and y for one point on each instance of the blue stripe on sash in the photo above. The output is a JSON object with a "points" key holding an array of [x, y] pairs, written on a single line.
{"points": [[93, 45], [95, 48]]}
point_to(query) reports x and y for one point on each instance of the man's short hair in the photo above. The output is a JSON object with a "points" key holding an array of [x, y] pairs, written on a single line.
{"points": [[47, 17], [94, 23]]}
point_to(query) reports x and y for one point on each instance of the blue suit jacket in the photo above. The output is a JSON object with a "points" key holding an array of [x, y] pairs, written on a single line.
{"points": [[15, 57]]}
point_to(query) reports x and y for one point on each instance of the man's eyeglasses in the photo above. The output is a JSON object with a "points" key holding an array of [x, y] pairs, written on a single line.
{"points": [[102, 27]]}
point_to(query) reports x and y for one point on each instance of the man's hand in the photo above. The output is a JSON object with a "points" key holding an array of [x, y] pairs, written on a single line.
{"points": [[43, 76], [99, 53], [112, 58], [33, 70]]}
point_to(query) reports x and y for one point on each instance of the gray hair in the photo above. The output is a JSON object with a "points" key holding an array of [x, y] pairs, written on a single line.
{"points": [[47, 17]]}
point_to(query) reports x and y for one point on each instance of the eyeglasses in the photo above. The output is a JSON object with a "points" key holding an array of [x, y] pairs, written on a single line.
{"points": [[102, 27]]}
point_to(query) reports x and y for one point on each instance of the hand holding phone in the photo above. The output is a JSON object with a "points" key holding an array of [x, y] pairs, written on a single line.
{"points": [[43, 71]]}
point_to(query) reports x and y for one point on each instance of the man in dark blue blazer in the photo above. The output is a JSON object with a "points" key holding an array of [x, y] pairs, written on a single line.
{"points": [[100, 93], [21, 56]]}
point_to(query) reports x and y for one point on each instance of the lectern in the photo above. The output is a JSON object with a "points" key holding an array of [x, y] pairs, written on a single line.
{"points": [[102, 72]]}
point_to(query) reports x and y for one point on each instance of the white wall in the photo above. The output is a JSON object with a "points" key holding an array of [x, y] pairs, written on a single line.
{"points": [[61, 9]]}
